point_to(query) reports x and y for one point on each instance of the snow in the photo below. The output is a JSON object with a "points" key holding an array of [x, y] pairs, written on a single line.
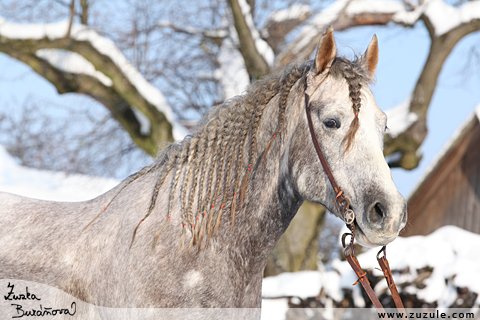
{"points": [[232, 73], [291, 13], [302, 284], [145, 124], [262, 46], [442, 16], [445, 17], [274, 309], [48, 185], [318, 24], [477, 112], [220, 33], [374, 6], [164, 24], [400, 118], [72, 62], [451, 251], [102, 45], [409, 18]]}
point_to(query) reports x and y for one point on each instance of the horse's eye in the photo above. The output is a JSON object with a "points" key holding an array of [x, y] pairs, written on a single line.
{"points": [[330, 123]]}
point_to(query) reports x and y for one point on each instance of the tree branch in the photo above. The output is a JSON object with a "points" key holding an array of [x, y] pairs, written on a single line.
{"points": [[346, 14], [84, 15], [409, 141], [120, 98], [216, 36], [342, 14], [280, 23], [72, 16], [255, 63]]}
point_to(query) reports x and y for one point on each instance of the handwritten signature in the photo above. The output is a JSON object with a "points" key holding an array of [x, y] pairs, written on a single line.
{"points": [[41, 311]]}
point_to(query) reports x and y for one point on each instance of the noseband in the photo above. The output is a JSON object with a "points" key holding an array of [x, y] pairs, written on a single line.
{"points": [[342, 204]]}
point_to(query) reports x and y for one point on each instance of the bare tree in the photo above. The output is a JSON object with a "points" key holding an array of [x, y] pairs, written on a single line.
{"points": [[75, 139]]}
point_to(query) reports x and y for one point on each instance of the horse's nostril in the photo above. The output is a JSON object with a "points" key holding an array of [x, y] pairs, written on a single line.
{"points": [[378, 210], [376, 215]]}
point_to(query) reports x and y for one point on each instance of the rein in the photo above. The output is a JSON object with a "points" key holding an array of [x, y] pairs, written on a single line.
{"points": [[342, 204]]}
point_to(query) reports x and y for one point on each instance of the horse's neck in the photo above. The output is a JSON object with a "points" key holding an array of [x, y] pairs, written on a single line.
{"points": [[271, 200]]}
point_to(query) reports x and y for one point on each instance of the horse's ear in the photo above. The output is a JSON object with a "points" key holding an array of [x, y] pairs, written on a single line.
{"points": [[326, 52], [370, 58]]}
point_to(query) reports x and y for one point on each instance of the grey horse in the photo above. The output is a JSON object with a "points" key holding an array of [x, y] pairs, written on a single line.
{"points": [[195, 228]]}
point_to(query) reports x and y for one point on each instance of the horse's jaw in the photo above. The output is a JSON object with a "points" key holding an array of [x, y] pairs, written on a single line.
{"points": [[364, 241]]}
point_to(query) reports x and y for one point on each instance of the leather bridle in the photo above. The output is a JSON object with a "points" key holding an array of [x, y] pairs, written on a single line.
{"points": [[342, 204]]}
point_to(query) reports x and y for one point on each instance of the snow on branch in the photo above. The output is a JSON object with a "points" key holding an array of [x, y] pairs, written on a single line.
{"points": [[305, 41], [445, 18], [292, 13], [213, 34], [282, 22], [47, 37], [400, 118], [442, 16], [72, 62], [262, 46], [343, 14], [233, 74]]}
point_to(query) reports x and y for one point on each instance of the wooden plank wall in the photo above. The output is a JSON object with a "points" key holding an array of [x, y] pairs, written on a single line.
{"points": [[451, 195]]}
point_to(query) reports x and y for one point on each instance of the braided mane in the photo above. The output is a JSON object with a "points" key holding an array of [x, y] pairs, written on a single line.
{"points": [[207, 166]]}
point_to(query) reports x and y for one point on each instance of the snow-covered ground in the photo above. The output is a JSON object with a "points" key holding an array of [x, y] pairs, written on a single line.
{"points": [[451, 252], [48, 185]]}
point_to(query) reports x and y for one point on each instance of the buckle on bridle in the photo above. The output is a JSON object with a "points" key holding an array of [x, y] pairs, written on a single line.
{"points": [[341, 203], [384, 251], [348, 248], [344, 207]]}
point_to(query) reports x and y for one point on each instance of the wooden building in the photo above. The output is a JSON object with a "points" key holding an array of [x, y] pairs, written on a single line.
{"points": [[449, 193]]}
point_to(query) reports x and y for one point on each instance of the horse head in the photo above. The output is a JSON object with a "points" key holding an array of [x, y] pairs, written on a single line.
{"points": [[350, 128]]}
